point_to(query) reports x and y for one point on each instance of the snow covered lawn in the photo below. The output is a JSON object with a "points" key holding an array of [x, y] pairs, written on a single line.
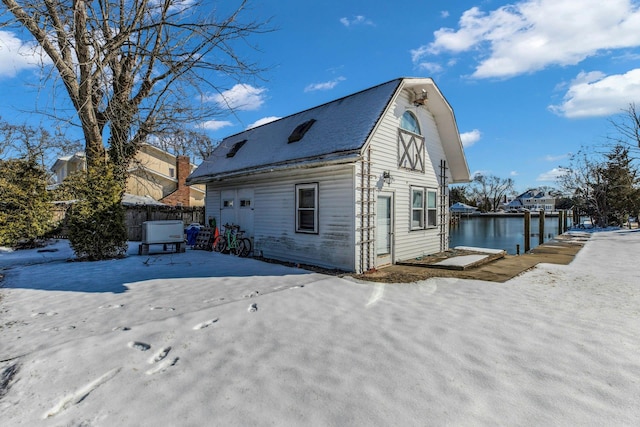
{"points": [[201, 338]]}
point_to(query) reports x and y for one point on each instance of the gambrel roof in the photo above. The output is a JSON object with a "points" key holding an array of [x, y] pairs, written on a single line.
{"points": [[335, 132]]}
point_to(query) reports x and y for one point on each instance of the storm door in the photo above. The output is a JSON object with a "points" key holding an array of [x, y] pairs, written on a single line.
{"points": [[384, 230]]}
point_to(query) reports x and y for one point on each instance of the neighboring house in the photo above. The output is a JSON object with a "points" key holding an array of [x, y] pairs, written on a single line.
{"points": [[514, 205], [67, 165], [355, 184], [534, 200], [154, 174], [462, 208]]}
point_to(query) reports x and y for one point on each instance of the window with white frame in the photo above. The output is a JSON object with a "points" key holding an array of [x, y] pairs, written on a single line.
{"points": [[409, 122], [307, 208], [432, 203], [417, 208], [424, 203]]}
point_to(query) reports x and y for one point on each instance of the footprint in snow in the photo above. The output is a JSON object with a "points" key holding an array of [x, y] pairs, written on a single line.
{"points": [[121, 328], [205, 324], [252, 294], [160, 355], [162, 308], [112, 306], [142, 346], [80, 394], [164, 364], [253, 308]]}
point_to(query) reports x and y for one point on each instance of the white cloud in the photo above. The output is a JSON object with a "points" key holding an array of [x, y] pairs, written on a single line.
{"points": [[357, 20], [430, 67], [324, 85], [240, 97], [513, 173], [550, 158], [470, 138], [552, 175], [17, 55], [215, 124], [263, 121], [531, 35], [594, 94], [444, 14]]}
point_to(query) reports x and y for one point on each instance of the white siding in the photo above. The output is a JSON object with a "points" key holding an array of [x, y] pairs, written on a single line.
{"points": [[274, 216], [384, 144]]}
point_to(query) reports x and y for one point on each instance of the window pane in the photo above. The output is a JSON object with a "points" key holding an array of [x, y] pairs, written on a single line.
{"points": [[306, 198], [410, 123], [306, 220], [431, 202], [416, 219], [432, 219], [417, 199]]}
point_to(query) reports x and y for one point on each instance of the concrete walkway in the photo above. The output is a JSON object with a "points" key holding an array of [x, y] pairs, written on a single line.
{"points": [[561, 250]]}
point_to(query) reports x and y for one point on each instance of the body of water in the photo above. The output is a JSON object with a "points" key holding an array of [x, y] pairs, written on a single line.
{"points": [[500, 232]]}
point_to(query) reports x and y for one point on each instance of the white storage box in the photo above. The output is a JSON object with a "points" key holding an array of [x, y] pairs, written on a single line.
{"points": [[169, 231]]}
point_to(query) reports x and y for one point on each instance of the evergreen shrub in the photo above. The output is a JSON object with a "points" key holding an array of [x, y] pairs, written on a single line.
{"points": [[25, 211], [96, 219]]}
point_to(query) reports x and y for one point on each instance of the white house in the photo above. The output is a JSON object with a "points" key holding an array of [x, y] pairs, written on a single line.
{"points": [[535, 200], [354, 184]]}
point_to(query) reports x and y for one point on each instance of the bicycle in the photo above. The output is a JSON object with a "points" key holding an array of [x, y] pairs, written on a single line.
{"points": [[232, 241]]}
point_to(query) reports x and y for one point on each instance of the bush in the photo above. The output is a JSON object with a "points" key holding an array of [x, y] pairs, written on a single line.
{"points": [[25, 211], [96, 219]]}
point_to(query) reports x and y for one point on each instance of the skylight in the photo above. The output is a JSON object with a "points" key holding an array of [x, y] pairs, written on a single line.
{"points": [[235, 148], [300, 130]]}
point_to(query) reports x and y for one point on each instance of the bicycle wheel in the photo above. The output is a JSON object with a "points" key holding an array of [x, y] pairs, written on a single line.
{"points": [[220, 244], [246, 250], [238, 249]]}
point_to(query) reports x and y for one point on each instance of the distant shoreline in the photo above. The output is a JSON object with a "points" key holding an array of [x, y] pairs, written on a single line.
{"points": [[504, 214]]}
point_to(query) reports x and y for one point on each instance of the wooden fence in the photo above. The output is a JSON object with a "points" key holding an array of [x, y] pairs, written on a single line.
{"points": [[135, 215]]}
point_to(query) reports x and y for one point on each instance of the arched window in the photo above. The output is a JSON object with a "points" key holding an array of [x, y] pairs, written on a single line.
{"points": [[410, 122]]}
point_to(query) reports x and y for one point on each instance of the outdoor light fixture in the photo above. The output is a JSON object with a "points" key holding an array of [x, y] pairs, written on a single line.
{"points": [[421, 99], [386, 176]]}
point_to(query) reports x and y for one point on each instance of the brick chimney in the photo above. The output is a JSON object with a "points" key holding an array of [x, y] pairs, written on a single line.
{"points": [[181, 195]]}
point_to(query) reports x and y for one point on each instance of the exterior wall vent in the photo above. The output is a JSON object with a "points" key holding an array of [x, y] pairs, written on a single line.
{"points": [[235, 148], [300, 130]]}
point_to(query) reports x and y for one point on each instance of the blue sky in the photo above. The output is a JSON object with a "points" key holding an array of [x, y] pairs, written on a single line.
{"points": [[530, 81]]}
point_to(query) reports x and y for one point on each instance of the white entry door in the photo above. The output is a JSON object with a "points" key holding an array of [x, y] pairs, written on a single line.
{"points": [[227, 208], [384, 230], [236, 207], [245, 211]]}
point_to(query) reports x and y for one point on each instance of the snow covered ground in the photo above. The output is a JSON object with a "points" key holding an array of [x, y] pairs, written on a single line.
{"points": [[201, 338]]}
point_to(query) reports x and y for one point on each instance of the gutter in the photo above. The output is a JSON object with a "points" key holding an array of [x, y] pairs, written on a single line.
{"points": [[308, 163]]}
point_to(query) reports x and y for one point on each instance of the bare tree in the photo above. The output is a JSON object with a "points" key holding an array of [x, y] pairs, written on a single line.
{"points": [[586, 182], [24, 141], [627, 127], [490, 191], [181, 142], [131, 69], [128, 67]]}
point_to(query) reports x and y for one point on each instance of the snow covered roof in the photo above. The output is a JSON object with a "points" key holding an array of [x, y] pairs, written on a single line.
{"points": [[333, 132], [462, 207], [132, 199], [340, 129]]}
